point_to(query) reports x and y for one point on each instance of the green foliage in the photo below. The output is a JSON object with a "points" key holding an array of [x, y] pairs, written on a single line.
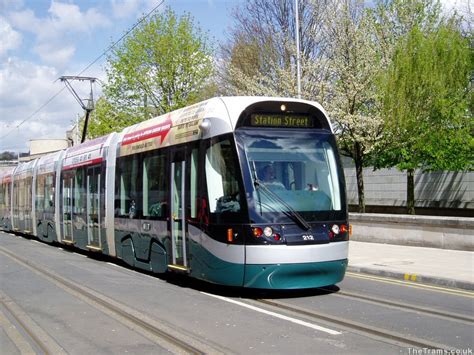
{"points": [[426, 102], [105, 119], [394, 19], [163, 65], [394, 77]]}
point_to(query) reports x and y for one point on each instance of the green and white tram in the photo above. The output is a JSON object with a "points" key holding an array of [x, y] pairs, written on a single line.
{"points": [[239, 191]]}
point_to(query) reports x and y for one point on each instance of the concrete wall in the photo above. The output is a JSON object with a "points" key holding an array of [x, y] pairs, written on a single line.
{"points": [[44, 146], [426, 231], [387, 187]]}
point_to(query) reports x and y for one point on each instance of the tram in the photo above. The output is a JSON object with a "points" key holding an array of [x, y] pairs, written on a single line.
{"points": [[238, 191]]}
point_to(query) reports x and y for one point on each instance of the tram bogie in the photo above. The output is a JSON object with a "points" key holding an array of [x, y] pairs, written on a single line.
{"points": [[237, 191]]}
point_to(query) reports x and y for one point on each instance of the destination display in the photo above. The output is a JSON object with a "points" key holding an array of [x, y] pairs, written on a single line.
{"points": [[281, 120]]}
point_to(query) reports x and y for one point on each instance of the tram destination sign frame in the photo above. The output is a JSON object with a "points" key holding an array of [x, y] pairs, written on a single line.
{"points": [[281, 120]]}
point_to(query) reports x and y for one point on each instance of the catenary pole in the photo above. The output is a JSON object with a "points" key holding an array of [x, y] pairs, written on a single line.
{"points": [[298, 57], [89, 107]]}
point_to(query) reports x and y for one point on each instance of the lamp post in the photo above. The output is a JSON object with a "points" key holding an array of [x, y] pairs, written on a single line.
{"points": [[298, 58]]}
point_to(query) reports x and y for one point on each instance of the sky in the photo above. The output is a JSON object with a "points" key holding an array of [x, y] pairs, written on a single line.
{"points": [[42, 40]]}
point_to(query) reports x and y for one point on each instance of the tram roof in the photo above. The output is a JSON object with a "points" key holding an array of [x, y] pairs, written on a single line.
{"points": [[46, 164], [179, 126], [233, 106], [184, 125], [87, 153], [25, 168]]}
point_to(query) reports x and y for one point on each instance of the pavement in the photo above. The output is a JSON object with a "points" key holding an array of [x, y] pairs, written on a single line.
{"points": [[443, 267]]}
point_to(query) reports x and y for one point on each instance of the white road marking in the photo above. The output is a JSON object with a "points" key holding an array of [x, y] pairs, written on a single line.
{"points": [[276, 315], [107, 262]]}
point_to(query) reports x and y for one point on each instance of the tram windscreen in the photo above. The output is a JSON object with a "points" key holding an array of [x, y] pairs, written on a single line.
{"points": [[301, 168]]}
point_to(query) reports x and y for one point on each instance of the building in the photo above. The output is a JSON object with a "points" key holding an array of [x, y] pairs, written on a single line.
{"points": [[40, 147]]}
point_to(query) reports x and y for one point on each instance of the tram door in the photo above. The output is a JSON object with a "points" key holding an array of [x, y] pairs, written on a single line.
{"points": [[68, 184], [94, 217], [178, 217]]}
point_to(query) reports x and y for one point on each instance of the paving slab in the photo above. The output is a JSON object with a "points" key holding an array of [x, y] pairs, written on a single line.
{"points": [[452, 268]]}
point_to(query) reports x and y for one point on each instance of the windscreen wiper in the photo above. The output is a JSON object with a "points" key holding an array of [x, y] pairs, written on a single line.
{"points": [[290, 211]]}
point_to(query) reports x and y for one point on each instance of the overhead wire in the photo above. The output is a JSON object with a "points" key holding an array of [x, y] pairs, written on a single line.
{"points": [[83, 70]]}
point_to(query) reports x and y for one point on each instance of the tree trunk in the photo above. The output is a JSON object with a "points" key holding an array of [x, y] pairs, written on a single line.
{"points": [[411, 191], [360, 177], [145, 105]]}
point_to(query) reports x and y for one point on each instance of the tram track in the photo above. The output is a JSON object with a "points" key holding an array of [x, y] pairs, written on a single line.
{"points": [[376, 333], [27, 336], [404, 306], [164, 335]]}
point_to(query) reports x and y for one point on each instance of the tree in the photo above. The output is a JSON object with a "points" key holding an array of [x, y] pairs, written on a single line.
{"points": [[163, 65], [6, 155], [354, 65], [428, 121], [394, 19], [260, 58], [106, 119], [340, 64]]}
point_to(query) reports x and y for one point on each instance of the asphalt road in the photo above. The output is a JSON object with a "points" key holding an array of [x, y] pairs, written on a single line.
{"points": [[54, 300]]}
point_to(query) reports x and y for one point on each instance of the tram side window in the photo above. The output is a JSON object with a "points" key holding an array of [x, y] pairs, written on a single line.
{"points": [[193, 185], [127, 196], [221, 176], [2, 195], [7, 195], [49, 193], [80, 192], [16, 196], [22, 195], [29, 195], [40, 193], [155, 185]]}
